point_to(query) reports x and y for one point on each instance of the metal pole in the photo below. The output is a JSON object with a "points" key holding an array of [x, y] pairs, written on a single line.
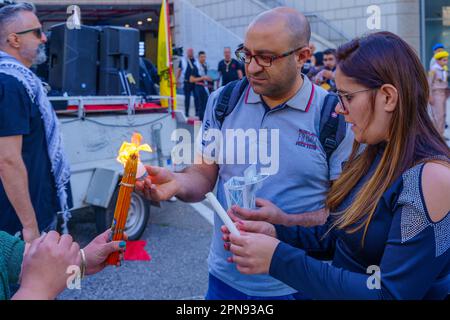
{"points": [[169, 38], [81, 108], [423, 42]]}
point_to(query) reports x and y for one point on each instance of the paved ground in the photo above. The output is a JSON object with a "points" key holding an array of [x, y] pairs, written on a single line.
{"points": [[178, 241]]}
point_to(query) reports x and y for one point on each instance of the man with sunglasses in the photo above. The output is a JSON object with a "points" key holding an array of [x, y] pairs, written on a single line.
{"points": [[278, 99], [34, 173]]}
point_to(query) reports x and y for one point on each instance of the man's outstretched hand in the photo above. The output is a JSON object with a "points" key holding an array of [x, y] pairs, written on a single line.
{"points": [[160, 184]]}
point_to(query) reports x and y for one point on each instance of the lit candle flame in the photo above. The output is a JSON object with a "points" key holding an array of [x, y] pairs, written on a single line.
{"points": [[127, 148]]}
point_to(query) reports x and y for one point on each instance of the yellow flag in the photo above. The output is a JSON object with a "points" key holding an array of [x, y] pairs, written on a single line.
{"points": [[165, 70]]}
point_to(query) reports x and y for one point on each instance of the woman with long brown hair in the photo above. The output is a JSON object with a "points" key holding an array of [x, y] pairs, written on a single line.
{"points": [[389, 231]]}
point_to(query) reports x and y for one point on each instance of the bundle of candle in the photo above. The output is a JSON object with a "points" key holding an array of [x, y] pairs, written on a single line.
{"points": [[129, 156]]}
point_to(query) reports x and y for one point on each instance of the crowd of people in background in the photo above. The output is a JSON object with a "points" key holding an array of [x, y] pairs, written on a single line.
{"points": [[196, 78]]}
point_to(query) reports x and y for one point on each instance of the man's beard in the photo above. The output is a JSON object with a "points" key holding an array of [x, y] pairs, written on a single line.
{"points": [[41, 56]]}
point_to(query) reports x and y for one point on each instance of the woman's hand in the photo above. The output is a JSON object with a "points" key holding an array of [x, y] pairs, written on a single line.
{"points": [[266, 211], [327, 74], [253, 249], [98, 250], [45, 264], [252, 252], [261, 227]]}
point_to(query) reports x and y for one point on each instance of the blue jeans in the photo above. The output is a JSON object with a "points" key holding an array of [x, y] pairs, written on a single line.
{"points": [[219, 290], [201, 99]]}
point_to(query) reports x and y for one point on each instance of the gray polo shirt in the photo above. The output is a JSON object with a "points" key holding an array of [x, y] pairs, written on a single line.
{"points": [[288, 148]]}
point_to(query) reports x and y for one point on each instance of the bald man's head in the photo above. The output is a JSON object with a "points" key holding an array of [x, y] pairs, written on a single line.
{"points": [[292, 21], [190, 53], [276, 47]]}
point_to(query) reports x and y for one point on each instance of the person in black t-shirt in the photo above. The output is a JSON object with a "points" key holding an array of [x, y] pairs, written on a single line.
{"points": [[22, 130], [229, 69], [28, 195]]}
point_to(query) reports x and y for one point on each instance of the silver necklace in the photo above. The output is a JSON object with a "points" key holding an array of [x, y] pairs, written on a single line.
{"points": [[227, 65]]}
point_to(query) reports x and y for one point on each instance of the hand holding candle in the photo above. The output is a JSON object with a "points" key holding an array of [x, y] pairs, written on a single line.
{"points": [[222, 214], [129, 157], [135, 146]]}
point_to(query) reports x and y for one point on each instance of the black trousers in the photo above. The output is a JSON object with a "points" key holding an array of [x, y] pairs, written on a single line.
{"points": [[188, 89], [201, 99]]}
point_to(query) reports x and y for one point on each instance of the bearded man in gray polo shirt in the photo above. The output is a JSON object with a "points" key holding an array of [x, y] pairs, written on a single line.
{"points": [[280, 113]]}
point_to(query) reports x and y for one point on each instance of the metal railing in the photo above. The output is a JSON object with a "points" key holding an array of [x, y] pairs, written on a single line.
{"points": [[325, 29], [272, 3]]}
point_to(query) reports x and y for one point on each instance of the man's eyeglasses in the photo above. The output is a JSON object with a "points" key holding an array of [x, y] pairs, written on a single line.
{"points": [[348, 97], [264, 61], [37, 31]]}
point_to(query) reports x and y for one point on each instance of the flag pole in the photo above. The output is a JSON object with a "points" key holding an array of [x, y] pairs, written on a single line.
{"points": [[169, 36]]}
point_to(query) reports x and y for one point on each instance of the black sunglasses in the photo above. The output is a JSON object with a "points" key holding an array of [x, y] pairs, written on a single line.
{"points": [[37, 31]]}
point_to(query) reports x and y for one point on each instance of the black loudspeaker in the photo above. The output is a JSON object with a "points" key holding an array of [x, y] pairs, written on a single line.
{"points": [[119, 61], [73, 60]]}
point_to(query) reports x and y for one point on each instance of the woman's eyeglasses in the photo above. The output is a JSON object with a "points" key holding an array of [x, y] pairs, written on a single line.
{"points": [[348, 97]]}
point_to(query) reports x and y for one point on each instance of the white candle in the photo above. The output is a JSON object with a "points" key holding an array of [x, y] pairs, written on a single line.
{"points": [[222, 214], [141, 171]]}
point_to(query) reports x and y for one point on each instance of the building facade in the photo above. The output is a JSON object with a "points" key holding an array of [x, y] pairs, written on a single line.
{"points": [[211, 25], [422, 23]]}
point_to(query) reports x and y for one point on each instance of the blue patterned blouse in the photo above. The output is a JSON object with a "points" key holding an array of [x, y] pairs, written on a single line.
{"points": [[405, 255]]}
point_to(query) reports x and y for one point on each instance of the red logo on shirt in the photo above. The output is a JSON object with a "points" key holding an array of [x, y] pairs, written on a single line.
{"points": [[307, 139]]}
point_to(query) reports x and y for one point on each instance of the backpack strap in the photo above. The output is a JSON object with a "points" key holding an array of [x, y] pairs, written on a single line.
{"points": [[332, 126], [229, 98]]}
